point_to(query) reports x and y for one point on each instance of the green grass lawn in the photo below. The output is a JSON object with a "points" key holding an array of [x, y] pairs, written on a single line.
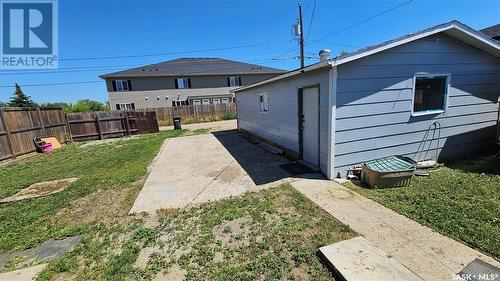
{"points": [[105, 171], [270, 235], [460, 200]]}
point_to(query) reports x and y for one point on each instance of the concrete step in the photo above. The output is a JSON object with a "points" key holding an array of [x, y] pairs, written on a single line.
{"points": [[357, 259]]}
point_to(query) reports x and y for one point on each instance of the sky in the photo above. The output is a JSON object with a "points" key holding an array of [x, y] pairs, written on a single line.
{"points": [[136, 33]]}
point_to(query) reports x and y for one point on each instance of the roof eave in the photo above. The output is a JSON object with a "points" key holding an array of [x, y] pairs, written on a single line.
{"points": [[111, 75], [292, 73]]}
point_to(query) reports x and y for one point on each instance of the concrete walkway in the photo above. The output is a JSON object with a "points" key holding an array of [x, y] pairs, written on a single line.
{"points": [[25, 274], [428, 254], [224, 125], [201, 168]]}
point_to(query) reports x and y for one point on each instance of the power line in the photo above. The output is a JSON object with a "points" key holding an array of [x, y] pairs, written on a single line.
{"points": [[177, 53], [54, 84], [361, 22], [100, 81], [311, 21]]}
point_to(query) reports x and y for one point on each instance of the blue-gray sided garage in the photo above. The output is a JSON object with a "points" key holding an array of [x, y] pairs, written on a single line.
{"points": [[430, 93]]}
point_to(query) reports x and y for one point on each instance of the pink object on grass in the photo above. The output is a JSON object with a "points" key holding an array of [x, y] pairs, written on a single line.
{"points": [[47, 148]]}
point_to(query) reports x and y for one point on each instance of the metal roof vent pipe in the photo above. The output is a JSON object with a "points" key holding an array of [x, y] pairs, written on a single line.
{"points": [[323, 54]]}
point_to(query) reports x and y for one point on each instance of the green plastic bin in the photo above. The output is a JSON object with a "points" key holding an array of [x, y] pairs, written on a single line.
{"points": [[390, 171]]}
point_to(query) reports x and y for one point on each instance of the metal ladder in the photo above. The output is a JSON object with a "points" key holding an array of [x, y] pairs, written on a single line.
{"points": [[434, 127]]}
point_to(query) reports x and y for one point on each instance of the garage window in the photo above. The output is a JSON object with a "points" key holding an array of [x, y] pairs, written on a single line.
{"points": [[263, 104], [430, 94]]}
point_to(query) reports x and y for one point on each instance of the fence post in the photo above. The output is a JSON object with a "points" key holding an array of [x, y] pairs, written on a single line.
{"points": [[127, 124], [98, 126], [7, 132], [40, 121], [68, 127]]}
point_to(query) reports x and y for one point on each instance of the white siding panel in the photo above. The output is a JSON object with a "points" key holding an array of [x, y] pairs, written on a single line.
{"points": [[280, 123]]}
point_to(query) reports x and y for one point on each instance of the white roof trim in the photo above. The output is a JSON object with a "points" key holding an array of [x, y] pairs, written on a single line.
{"points": [[286, 75], [454, 28]]}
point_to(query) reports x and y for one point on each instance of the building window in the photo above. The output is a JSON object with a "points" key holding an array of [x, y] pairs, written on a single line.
{"points": [[125, 106], [205, 101], [225, 100], [234, 81], [122, 85], [196, 102], [179, 102], [216, 101], [430, 94], [263, 104], [182, 83]]}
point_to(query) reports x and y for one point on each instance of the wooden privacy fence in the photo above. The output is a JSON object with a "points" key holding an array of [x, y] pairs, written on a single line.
{"points": [[101, 125], [192, 111], [19, 126]]}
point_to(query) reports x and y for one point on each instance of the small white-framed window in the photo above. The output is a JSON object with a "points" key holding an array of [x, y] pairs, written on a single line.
{"points": [[225, 100], [196, 102], [121, 85], [205, 101], [263, 102], [430, 93], [216, 101], [125, 106], [234, 81], [182, 83]]}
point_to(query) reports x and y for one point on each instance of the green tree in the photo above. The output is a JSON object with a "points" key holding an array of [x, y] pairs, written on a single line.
{"points": [[64, 105], [88, 106], [344, 52], [19, 99]]}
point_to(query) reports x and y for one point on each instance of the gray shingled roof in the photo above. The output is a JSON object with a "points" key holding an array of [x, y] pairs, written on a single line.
{"points": [[195, 66], [492, 31]]}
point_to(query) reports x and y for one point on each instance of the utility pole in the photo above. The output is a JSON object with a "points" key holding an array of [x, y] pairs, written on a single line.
{"points": [[301, 40]]}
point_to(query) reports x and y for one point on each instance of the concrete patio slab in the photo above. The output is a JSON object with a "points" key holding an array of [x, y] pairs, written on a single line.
{"points": [[202, 168], [428, 254], [358, 259], [24, 274]]}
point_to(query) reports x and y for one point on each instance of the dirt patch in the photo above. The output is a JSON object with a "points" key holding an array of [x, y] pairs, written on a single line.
{"points": [[108, 141], [40, 189], [143, 258], [104, 204], [234, 233], [175, 273], [301, 273]]}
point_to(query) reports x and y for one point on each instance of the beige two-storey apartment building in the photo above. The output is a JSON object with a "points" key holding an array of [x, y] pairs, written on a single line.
{"points": [[183, 81]]}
